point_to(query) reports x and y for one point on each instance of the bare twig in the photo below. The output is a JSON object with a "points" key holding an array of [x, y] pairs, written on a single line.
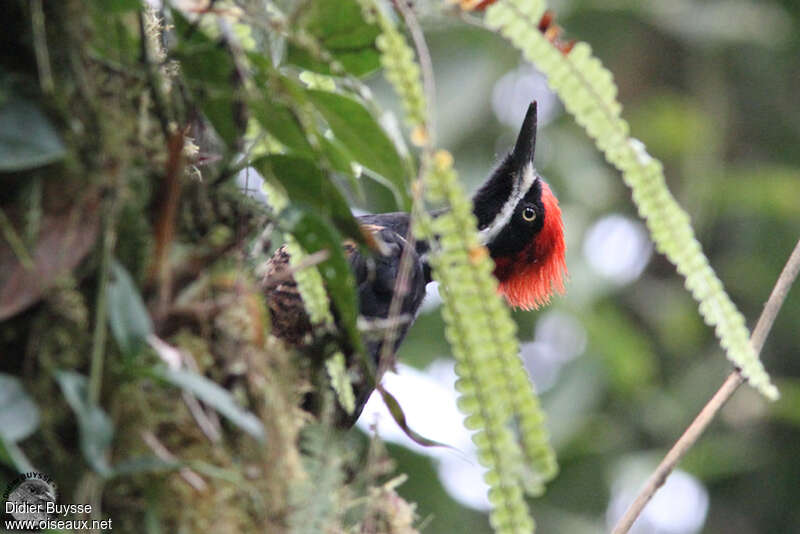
{"points": [[158, 448], [706, 415]]}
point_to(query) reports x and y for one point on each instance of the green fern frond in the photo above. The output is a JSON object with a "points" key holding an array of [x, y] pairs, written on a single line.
{"points": [[337, 371], [401, 70], [310, 285], [588, 92], [495, 392]]}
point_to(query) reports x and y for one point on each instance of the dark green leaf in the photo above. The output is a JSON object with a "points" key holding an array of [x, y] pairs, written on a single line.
{"points": [[96, 429], [338, 157], [358, 63], [400, 418], [210, 71], [27, 139], [341, 162], [113, 37], [213, 395], [314, 234], [340, 29], [278, 120], [19, 415], [306, 185], [363, 138], [127, 316]]}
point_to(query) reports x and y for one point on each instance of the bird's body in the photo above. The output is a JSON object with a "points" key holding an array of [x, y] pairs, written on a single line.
{"points": [[518, 221], [375, 277]]}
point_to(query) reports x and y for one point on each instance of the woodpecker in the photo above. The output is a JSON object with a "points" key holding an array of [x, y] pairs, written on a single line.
{"points": [[519, 222]]}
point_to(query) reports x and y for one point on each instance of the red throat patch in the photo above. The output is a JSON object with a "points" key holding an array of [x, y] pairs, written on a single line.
{"points": [[528, 280]]}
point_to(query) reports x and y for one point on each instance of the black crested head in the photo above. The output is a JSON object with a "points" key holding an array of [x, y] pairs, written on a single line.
{"points": [[509, 205], [519, 221], [525, 147]]}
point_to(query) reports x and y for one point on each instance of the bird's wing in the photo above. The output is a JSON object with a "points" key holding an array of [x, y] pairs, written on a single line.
{"points": [[375, 281], [290, 321]]}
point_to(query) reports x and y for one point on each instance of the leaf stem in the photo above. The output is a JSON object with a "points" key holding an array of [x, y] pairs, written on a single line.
{"points": [[15, 242], [709, 411]]}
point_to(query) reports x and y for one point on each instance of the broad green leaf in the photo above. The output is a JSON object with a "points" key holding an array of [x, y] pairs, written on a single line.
{"points": [[305, 184], [114, 38], [213, 395], [96, 429], [278, 120], [27, 138], [342, 162], [19, 415], [209, 69], [314, 234], [363, 138], [338, 157], [127, 315], [340, 29], [358, 63]]}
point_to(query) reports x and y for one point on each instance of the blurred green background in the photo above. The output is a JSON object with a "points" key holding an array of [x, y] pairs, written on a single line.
{"points": [[623, 360]]}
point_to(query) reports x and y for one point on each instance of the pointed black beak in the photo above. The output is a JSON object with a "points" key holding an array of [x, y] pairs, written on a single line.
{"points": [[526, 142]]}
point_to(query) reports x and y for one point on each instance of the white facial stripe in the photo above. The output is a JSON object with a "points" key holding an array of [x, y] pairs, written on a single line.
{"points": [[518, 192]]}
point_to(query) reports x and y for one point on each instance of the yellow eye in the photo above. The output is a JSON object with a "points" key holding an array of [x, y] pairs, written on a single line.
{"points": [[528, 214]]}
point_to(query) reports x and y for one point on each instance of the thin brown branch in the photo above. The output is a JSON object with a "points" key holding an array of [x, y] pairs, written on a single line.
{"points": [[426, 66], [429, 87], [709, 411]]}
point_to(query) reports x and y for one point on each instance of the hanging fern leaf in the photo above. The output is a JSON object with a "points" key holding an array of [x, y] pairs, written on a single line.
{"points": [[495, 391], [337, 372], [402, 71], [588, 92]]}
